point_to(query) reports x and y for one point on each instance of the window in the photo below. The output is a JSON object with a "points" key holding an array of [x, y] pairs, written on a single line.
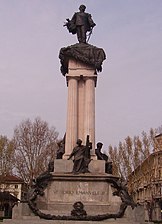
{"points": [[16, 186]]}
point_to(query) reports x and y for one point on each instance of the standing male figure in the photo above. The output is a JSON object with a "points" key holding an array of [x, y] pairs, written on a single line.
{"points": [[80, 159], [80, 23]]}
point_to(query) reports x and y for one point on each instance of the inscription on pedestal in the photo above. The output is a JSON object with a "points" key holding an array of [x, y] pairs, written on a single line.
{"points": [[78, 191]]}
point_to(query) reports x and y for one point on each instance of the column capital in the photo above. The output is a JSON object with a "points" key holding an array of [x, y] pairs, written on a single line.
{"points": [[81, 77]]}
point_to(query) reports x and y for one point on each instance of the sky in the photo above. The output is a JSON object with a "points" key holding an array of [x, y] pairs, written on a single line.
{"points": [[128, 92]]}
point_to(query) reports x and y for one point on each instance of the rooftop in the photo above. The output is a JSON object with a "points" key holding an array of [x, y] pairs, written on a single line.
{"points": [[11, 178]]}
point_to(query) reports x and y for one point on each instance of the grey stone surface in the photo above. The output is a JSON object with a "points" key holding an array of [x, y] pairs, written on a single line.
{"points": [[97, 166], [63, 166], [22, 209], [137, 214]]}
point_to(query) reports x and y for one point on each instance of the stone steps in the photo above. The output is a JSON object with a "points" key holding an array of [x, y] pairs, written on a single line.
{"points": [[39, 221]]}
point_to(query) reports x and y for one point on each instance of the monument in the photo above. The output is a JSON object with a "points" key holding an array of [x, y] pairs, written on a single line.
{"points": [[82, 190]]}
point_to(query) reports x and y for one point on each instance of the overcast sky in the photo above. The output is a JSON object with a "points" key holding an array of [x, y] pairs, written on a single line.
{"points": [[129, 90]]}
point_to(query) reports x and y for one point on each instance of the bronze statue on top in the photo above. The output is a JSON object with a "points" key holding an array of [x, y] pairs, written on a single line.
{"points": [[80, 24]]}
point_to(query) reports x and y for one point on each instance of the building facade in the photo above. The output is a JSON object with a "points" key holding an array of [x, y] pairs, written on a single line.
{"points": [[12, 190], [145, 183], [14, 185]]}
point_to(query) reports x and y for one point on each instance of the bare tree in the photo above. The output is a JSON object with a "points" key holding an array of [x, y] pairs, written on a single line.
{"points": [[35, 145], [131, 153], [159, 130], [113, 153], [6, 156], [137, 149], [146, 145]]}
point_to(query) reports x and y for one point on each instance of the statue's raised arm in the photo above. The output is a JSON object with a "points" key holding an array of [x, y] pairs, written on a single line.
{"points": [[80, 24]]}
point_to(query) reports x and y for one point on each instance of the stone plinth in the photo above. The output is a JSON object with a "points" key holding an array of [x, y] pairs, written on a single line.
{"points": [[66, 166], [81, 81]]}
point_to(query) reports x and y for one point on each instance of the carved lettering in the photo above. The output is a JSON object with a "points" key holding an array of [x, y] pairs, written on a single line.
{"points": [[80, 192]]}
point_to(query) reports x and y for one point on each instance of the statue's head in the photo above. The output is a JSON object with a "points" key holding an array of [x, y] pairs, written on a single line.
{"points": [[79, 141], [82, 8], [99, 145]]}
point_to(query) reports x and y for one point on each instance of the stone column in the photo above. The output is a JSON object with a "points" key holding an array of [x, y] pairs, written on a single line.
{"points": [[71, 123], [81, 80], [89, 113], [81, 108]]}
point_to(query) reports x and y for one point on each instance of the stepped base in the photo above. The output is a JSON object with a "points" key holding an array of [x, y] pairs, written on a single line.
{"points": [[131, 217], [117, 221]]}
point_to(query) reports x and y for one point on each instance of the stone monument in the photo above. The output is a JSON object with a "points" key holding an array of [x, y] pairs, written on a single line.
{"points": [[83, 190]]}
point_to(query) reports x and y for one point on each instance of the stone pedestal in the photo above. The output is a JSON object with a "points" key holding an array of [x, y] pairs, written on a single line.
{"points": [[92, 190], [81, 81]]}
